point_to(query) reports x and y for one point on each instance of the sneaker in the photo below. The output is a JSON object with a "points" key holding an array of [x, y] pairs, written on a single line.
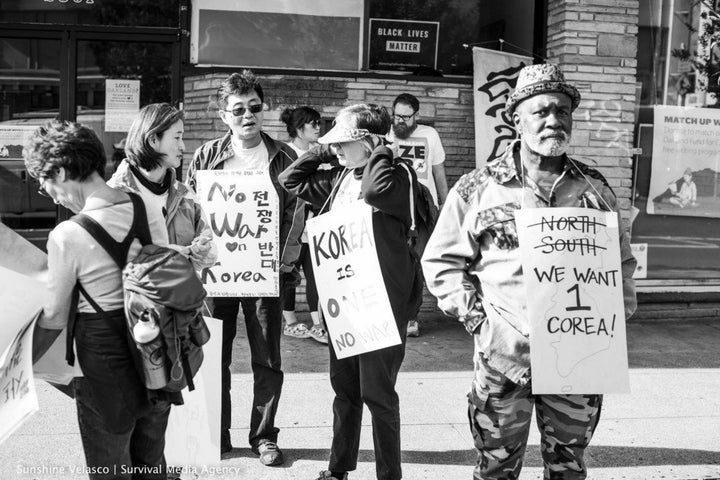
{"points": [[297, 330], [270, 454], [413, 329], [326, 475], [318, 333]]}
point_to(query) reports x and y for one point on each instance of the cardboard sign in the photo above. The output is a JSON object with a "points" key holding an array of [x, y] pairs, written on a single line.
{"points": [[350, 285], [243, 209], [18, 399], [573, 276], [192, 439]]}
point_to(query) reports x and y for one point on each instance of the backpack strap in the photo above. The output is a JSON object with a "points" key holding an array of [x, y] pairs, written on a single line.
{"points": [[118, 251], [413, 226]]}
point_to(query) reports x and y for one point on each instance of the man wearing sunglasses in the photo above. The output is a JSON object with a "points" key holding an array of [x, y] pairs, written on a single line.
{"points": [[421, 147], [240, 101]]}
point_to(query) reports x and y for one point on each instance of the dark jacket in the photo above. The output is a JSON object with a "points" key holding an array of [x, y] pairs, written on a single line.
{"points": [[385, 187], [212, 155]]}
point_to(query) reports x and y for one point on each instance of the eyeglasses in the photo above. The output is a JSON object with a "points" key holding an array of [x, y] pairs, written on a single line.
{"points": [[336, 148], [404, 118], [41, 188], [315, 123], [240, 111]]}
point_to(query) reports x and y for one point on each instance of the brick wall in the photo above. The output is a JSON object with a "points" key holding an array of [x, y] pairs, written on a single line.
{"points": [[447, 106], [595, 43]]}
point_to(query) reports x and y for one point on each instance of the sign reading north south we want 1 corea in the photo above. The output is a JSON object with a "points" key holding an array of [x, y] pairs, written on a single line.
{"points": [[402, 44]]}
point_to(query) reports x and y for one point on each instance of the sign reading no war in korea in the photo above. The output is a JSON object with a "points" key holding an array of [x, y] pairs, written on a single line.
{"points": [[242, 208], [349, 281], [571, 267]]}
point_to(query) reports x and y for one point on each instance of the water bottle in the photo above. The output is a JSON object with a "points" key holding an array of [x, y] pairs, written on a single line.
{"points": [[146, 333]]}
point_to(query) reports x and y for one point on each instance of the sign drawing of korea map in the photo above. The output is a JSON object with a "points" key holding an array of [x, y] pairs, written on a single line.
{"points": [[572, 270]]}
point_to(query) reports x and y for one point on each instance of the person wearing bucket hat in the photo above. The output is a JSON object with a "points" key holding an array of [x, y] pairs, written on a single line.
{"points": [[368, 175], [472, 264]]}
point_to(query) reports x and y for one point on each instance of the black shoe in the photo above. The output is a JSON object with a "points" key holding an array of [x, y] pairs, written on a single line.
{"points": [[270, 454]]}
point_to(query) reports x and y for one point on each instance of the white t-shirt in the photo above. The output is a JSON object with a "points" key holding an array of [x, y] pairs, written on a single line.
{"points": [[348, 190], [74, 254], [255, 158], [300, 152], [425, 150]]}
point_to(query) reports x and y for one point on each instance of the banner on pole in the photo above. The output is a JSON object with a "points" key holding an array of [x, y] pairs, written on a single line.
{"points": [[572, 272], [350, 284], [243, 209], [494, 76]]}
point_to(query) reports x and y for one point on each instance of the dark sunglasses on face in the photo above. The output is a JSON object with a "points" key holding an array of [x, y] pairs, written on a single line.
{"points": [[240, 111], [315, 123]]}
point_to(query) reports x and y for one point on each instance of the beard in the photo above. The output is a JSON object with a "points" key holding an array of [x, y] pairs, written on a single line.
{"points": [[548, 146], [402, 131]]}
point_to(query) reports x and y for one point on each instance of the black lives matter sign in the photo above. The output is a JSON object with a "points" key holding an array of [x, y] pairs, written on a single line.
{"points": [[402, 44]]}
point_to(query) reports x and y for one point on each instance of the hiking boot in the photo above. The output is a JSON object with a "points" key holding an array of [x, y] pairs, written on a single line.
{"points": [[318, 333], [413, 329], [326, 475], [270, 454], [297, 330]]}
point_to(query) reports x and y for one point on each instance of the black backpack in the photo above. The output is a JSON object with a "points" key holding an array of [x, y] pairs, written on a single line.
{"points": [[161, 281]]}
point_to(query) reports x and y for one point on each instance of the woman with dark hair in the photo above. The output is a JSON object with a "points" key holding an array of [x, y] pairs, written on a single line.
{"points": [[122, 424], [303, 126], [153, 150], [367, 173]]}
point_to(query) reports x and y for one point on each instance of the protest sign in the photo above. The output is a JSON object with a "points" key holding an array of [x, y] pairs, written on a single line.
{"points": [[350, 284], [18, 399], [193, 434], [29, 266], [573, 276], [494, 77], [243, 209]]}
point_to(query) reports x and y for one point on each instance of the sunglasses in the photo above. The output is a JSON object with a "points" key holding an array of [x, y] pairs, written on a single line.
{"points": [[315, 123], [240, 111]]}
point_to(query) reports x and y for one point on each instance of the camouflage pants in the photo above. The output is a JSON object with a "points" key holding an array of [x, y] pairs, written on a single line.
{"points": [[500, 414]]}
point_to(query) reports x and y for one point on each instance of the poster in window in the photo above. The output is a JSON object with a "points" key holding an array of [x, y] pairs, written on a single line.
{"points": [[402, 44], [685, 176]]}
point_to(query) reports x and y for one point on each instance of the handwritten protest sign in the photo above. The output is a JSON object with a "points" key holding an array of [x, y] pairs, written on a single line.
{"points": [[22, 257], [18, 399], [349, 281], [571, 267], [193, 435], [242, 207]]}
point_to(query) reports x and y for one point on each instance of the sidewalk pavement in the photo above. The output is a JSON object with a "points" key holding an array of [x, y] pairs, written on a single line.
{"points": [[667, 428]]}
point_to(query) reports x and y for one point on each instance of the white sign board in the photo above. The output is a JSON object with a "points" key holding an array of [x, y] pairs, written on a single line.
{"points": [[18, 398], [350, 284], [573, 277], [192, 440], [243, 209], [494, 77], [122, 104]]}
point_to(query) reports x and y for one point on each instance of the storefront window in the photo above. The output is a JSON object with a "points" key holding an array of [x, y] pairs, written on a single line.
{"points": [[131, 13], [462, 22], [677, 176]]}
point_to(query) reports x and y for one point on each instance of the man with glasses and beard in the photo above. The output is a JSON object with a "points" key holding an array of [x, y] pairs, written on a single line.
{"points": [[420, 146], [246, 147], [472, 264]]}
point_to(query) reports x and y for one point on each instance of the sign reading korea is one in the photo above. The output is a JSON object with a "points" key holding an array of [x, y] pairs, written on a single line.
{"points": [[402, 44]]}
